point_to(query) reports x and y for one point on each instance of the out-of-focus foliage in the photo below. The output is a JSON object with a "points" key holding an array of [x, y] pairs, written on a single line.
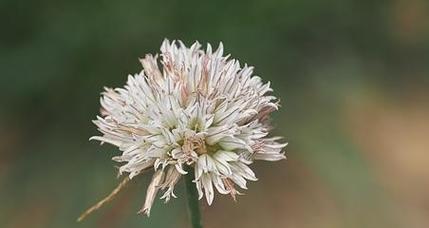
{"points": [[352, 76]]}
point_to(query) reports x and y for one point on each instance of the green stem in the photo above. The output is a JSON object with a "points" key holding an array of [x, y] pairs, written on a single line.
{"points": [[192, 197]]}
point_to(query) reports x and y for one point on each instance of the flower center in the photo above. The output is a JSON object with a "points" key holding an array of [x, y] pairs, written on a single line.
{"points": [[199, 146], [205, 148]]}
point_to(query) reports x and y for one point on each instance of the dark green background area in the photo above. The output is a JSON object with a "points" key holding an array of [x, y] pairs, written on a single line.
{"points": [[338, 66]]}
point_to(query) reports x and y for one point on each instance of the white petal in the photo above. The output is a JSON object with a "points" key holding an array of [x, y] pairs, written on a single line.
{"points": [[208, 188]]}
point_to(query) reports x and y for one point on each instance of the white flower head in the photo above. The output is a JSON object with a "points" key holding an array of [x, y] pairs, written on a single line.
{"points": [[190, 108]]}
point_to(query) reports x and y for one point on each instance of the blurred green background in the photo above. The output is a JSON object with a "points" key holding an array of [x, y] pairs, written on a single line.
{"points": [[353, 78]]}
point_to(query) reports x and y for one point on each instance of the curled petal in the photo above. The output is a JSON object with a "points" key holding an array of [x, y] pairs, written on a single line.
{"points": [[151, 191]]}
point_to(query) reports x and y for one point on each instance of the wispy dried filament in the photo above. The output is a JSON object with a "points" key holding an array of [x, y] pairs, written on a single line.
{"points": [[105, 200]]}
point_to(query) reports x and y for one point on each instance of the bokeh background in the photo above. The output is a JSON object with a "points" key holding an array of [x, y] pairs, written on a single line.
{"points": [[352, 75]]}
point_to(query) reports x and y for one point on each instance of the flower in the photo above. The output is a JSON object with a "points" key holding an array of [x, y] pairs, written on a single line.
{"points": [[192, 108]]}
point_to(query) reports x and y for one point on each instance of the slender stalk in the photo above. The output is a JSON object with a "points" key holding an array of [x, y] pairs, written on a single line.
{"points": [[192, 198]]}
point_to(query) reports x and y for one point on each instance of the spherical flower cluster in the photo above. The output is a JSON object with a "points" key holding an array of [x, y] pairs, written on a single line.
{"points": [[192, 108]]}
